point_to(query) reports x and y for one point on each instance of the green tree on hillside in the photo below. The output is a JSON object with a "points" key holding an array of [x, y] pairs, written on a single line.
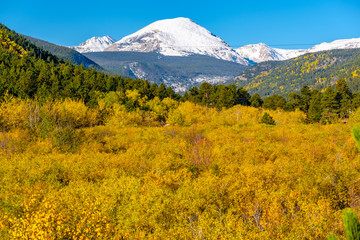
{"points": [[315, 108], [267, 119], [344, 96], [329, 104], [256, 101]]}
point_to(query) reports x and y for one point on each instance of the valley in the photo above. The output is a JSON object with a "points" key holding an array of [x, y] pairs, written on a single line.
{"points": [[170, 133]]}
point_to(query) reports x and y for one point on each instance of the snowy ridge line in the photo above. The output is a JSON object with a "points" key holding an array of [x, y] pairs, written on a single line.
{"points": [[183, 37], [261, 52]]}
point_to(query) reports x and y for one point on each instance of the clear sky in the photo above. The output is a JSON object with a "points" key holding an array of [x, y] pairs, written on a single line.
{"points": [[283, 24]]}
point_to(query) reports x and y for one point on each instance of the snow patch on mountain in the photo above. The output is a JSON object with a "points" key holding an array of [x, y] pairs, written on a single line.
{"points": [[290, 53], [177, 37], [94, 44], [261, 52]]}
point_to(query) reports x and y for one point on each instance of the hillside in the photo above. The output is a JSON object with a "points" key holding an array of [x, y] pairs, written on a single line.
{"points": [[180, 73], [64, 53], [316, 70], [28, 71]]}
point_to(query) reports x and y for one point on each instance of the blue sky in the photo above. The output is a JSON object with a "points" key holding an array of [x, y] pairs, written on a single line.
{"points": [[283, 24]]}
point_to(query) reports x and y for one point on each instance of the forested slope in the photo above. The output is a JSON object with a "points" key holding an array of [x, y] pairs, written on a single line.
{"points": [[64, 53], [316, 70]]}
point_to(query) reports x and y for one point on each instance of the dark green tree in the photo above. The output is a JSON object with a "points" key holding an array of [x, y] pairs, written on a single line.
{"points": [[305, 94], [315, 108], [343, 97], [330, 105], [205, 90], [267, 119], [274, 102], [161, 91], [243, 97], [226, 96], [170, 93], [256, 101]]}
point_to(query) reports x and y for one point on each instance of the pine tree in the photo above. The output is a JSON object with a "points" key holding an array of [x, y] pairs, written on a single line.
{"points": [[243, 97], [273, 102], [343, 96], [305, 95], [161, 91], [315, 108], [267, 119], [329, 105], [256, 101], [205, 90]]}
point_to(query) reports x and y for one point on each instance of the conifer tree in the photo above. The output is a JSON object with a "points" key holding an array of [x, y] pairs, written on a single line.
{"points": [[256, 101], [305, 95], [243, 97], [329, 104], [205, 91], [343, 96], [161, 91], [315, 108], [267, 119]]}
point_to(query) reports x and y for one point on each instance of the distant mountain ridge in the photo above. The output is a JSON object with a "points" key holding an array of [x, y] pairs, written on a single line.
{"points": [[95, 44], [261, 52]]}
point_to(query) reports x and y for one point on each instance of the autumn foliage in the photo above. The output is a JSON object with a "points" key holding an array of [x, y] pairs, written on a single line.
{"points": [[174, 171]]}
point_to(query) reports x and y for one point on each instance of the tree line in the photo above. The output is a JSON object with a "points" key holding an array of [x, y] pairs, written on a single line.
{"points": [[320, 106]]}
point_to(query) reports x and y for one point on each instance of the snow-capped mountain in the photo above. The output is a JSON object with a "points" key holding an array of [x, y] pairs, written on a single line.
{"points": [[177, 37], [94, 44], [261, 52], [337, 44]]}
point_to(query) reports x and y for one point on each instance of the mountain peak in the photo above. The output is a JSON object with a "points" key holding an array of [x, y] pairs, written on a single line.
{"points": [[259, 53], [95, 44], [177, 37]]}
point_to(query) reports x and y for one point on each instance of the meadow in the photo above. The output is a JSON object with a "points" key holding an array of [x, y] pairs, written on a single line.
{"points": [[68, 171]]}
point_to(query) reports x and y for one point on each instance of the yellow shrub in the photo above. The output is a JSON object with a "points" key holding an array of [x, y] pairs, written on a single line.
{"points": [[14, 113], [189, 113], [74, 113], [121, 117]]}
